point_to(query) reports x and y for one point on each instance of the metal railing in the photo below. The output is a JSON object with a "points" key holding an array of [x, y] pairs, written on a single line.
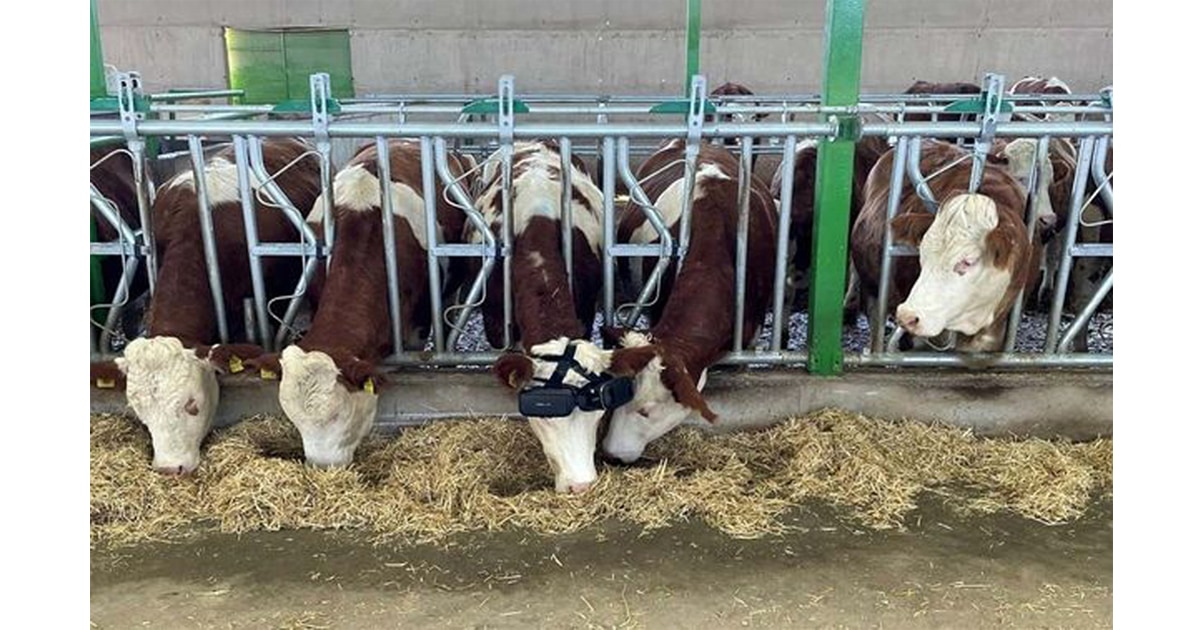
{"points": [[614, 143]]}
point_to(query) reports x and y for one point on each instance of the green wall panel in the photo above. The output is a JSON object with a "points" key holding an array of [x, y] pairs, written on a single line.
{"points": [[274, 66]]}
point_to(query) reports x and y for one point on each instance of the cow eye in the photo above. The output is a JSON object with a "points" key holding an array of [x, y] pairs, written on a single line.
{"points": [[963, 265], [643, 412]]}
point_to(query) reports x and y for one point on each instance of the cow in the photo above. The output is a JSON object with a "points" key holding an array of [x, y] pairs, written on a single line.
{"points": [[1043, 85], [693, 319], [804, 183], [112, 176], [736, 89], [975, 257], [551, 317], [327, 379], [170, 374], [926, 87]]}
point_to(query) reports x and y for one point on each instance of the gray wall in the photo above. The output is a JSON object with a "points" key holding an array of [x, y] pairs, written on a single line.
{"points": [[623, 46]]}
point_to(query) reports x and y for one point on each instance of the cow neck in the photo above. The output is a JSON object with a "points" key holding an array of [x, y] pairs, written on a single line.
{"points": [[696, 326], [183, 305], [353, 314], [544, 307]]}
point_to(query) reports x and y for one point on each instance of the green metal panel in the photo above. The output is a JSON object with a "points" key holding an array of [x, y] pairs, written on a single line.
{"points": [[98, 84], [693, 44], [309, 52], [257, 65], [835, 176]]}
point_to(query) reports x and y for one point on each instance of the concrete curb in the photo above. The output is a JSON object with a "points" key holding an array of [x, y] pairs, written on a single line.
{"points": [[1076, 405]]}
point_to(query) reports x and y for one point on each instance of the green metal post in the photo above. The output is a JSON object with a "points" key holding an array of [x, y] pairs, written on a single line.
{"points": [[98, 84], [835, 175], [693, 44], [98, 90]]}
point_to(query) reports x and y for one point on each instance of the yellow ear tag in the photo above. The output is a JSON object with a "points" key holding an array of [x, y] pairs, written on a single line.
{"points": [[105, 383], [267, 375], [235, 364], [369, 386]]}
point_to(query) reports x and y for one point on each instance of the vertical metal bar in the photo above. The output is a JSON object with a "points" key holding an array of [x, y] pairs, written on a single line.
{"points": [[915, 176], [245, 191], [1079, 187], [1081, 319], [429, 192], [1035, 181], [506, 122], [481, 227], [743, 236], [1099, 177], [609, 183], [567, 220], [324, 151], [145, 214], [695, 123], [879, 317], [780, 316], [835, 175], [693, 43], [207, 235], [387, 207]]}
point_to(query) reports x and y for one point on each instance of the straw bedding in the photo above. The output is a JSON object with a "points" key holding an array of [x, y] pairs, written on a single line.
{"points": [[489, 474]]}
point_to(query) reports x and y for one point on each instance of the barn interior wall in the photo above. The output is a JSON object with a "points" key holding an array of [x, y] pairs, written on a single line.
{"points": [[622, 46]]}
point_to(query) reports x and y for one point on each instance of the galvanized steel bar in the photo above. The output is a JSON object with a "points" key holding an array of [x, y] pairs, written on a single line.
{"points": [[1082, 318], [654, 217], [780, 314], [1064, 263], [258, 283], [1099, 177], [982, 361], [1031, 217], [695, 124], [207, 236], [609, 183], [878, 319], [388, 212], [745, 175], [567, 219], [993, 98], [835, 174], [429, 192], [917, 178]]}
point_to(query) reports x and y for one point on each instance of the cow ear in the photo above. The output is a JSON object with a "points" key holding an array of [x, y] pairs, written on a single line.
{"points": [[267, 365], [356, 372], [630, 361], [911, 227], [230, 358], [1002, 245], [683, 387], [108, 374], [611, 335], [514, 370]]}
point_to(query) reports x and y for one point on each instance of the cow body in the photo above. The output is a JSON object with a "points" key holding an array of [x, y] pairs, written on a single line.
{"points": [[326, 379], [548, 312], [693, 317], [170, 375], [975, 254]]}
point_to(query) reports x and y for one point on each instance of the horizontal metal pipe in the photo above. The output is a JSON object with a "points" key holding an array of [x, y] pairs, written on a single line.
{"points": [[981, 360], [1096, 250], [193, 94]]}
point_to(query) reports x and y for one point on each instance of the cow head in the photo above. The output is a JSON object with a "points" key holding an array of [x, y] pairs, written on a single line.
{"points": [[1017, 157], [569, 442], [967, 265], [665, 394], [173, 391], [331, 402]]}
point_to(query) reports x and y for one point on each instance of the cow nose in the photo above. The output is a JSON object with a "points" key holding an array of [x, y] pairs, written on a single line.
{"points": [[907, 318], [174, 471], [580, 488]]}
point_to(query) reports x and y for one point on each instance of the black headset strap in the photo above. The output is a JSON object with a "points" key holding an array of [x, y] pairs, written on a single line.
{"points": [[566, 362]]}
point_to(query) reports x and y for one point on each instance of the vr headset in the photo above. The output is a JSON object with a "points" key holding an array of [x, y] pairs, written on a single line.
{"points": [[555, 399]]}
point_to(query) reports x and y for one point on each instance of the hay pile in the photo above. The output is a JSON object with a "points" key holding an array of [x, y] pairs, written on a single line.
{"points": [[451, 477]]}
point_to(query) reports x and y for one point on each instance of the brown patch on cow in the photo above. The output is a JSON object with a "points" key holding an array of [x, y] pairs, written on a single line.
{"points": [[630, 361], [513, 370], [911, 228], [1003, 243], [677, 379]]}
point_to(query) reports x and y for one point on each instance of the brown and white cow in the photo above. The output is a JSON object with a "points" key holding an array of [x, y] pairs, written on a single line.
{"points": [[170, 375], [327, 379], [693, 319], [549, 314], [804, 184], [1043, 85], [975, 253]]}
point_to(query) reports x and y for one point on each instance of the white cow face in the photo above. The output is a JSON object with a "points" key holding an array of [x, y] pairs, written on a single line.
{"points": [[175, 394], [664, 397], [332, 419], [569, 442], [965, 267]]}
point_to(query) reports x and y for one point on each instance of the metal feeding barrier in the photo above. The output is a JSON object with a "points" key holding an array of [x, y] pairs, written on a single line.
{"points": [[614, 130]]}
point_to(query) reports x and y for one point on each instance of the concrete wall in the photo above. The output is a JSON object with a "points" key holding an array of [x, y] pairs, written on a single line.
{"points": [[623, 46]]}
